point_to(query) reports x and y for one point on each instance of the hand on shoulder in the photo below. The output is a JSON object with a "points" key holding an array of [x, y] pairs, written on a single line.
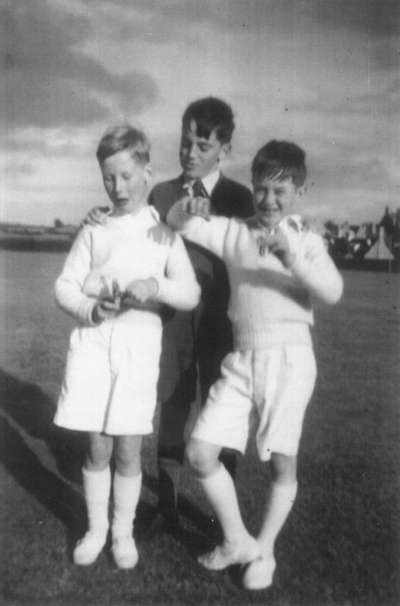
{"points": [[96, 216]]}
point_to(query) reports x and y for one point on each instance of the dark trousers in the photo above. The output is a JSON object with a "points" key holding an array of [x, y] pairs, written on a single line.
{"points": [[194, 345]]}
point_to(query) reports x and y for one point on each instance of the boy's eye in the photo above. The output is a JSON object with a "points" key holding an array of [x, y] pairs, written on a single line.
{"points": [[126, 176]]}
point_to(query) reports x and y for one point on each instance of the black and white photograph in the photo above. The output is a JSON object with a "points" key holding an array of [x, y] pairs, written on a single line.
{"points": [[200, 302]]}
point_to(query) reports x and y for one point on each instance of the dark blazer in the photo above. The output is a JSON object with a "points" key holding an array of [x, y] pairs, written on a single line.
{"points": [[228, 199], [212, 336]]}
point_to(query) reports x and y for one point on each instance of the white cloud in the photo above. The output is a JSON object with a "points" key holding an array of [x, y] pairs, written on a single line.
{"points": [[322, 74]]}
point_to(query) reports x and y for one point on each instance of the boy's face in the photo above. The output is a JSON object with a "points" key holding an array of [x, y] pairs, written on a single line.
{"points": [[273, 198], [200, 156], [125, 181]]}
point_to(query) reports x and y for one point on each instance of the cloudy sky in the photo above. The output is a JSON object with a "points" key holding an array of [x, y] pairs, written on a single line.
{"points": [[324, 73]]}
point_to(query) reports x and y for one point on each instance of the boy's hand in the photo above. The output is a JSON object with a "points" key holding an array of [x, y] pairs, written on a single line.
{"points": [[96, 216], [107, 306], [200, 207], [104, 309], [278, 245], [140, 291]]}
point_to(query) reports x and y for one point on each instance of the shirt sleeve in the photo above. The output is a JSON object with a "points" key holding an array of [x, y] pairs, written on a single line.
{"points": [[316, 271], [178, 288], [69, 285], [209, 233]]}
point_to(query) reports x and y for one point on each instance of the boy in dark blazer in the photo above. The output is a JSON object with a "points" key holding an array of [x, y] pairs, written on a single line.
{"points": [[194, 343]]}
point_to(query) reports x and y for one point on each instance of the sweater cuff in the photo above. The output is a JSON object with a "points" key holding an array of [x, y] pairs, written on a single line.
{"points": [[162, 287], [85, 312]]}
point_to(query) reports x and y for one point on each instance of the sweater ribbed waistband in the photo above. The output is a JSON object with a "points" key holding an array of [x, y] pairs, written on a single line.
{"points": [[272, 335]]}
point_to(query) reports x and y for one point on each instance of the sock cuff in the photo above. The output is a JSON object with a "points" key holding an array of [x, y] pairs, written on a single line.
{"points": [[217, 476], [96, 484], [119, 478], [94, 473], [285, 489], [126, 488], [285, 485]]}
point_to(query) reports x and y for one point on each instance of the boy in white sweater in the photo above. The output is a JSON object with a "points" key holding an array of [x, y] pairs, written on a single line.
{"points": [[114, 279], [275, 267]]}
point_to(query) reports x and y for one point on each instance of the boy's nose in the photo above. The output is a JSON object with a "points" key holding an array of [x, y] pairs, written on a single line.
{"points": [[118, 185], [269, 197], [192, 151]]}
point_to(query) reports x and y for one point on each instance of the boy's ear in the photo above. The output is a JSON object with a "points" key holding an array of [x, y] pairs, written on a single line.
{"points": [[225, 149], [300, 191], [148, 173]]}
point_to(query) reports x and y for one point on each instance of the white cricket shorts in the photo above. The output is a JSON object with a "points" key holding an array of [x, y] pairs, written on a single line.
{"points": [[276, 384], [110, 382]]}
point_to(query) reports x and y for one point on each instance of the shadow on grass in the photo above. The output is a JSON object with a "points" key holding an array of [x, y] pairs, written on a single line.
{"points": [[196, 531], [27, 413], [33, 410], [51, 491], [29, 410]]}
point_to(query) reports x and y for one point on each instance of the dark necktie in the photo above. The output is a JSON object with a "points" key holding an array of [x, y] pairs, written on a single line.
{"points": [[199, 191]]}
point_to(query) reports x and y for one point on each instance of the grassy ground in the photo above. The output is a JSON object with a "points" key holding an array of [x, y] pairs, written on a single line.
{"points": [[341, 543]]}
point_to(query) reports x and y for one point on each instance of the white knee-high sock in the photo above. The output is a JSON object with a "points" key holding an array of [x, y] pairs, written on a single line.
{"points": [[278, 507], [221, 493], [96, 488], [126, 497]]}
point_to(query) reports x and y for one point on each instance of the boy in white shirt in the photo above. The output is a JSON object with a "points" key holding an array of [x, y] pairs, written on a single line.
{"points": [[114, 279], [275, 267]]}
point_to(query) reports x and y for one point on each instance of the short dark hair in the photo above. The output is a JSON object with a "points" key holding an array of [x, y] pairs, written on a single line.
{"points": [[280, 159], [210, 114], [124, 137]]}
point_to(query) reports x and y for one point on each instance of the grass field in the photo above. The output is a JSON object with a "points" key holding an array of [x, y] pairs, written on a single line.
{"points": [[341, 543]]}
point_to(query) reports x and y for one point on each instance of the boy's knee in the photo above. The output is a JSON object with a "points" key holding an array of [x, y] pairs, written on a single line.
{"points": [[202, 457], [99, 452], [97, 459], [127, 454]]}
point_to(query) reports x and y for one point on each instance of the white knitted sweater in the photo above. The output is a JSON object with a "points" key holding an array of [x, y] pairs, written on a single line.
{"points": [[121, 250], [269, 304]]}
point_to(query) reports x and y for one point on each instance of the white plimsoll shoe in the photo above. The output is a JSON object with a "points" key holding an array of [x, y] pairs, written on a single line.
{"points": [[223, 556], [259, 574], [124, 552], [88, 548]]}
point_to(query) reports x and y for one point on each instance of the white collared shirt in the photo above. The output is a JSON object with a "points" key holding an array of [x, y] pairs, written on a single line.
{"points": [[209, 182]]}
